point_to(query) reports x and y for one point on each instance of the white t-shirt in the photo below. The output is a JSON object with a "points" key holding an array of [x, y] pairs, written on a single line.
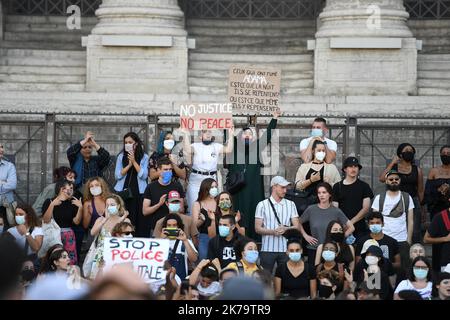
{"points": [[407, 285], [206, 157], [37, 231], [155, 285], [213, 289], [393, 227], [331, 144]]}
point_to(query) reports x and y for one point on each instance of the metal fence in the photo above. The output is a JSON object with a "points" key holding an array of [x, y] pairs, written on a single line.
{"points": [[39, 144]]}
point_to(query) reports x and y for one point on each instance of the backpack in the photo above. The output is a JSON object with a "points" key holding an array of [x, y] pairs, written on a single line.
{"points": [[446, 219]]}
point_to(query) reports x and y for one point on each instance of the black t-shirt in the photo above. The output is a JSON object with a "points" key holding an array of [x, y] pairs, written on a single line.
{"points": [[219, 247], [386, 269], [438, 229], [388, 245], [296, 287], [63, 214], [350, 198], [154, 192]]}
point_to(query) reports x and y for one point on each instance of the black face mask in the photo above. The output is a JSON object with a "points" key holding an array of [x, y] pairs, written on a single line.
{"points": [[393, 187], [207, 142], [28, 275], [325, 291], [337, 237], [408, 156], [445, 159]]}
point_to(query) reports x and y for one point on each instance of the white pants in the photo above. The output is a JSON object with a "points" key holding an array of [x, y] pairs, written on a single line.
{"points": [[195, 180]]}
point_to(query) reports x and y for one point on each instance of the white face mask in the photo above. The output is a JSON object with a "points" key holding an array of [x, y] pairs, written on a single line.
{"points": [[129, 147], [96, 191], [320, 155], [127, 236], [169, 144], [371, 260]]}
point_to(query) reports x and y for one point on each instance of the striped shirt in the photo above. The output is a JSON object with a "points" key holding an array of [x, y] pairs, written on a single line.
{"points": [[286, 210]]}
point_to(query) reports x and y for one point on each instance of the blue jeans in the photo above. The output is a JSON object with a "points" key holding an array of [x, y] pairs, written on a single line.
{"points": [[203, 246]]}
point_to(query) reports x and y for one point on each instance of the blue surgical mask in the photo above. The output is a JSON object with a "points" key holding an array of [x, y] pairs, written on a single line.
{"points": [[420, 273], [224, 231], [166, 176], [113, 210], [174, 207], [213, 192], [1, 229], [375, 228], [328, 255], [316, 133], [20, 219], [295, 256], [251, 256]]}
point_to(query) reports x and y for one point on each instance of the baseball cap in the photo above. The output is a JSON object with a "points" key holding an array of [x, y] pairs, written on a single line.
{"points": [[391, 172], [173, 196], [367, 244], [351, 161], [280, 181]]}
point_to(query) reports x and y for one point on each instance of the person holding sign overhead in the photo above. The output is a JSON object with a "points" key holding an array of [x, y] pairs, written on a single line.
{"points": [[205, 157], [246, 160]]}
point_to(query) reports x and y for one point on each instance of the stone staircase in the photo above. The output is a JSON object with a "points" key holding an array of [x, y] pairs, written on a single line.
{"points": [[39, 53], [221, 43], [433, 74], [435, 35]]}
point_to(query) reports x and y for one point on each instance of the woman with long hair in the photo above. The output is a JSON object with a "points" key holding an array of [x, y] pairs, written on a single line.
{"points": [[204, 214], [131, 174], [225, 207]]}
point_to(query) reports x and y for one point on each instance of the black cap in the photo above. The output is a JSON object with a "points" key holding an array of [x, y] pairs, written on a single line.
{"points": [[376, 251], [351, 161], [391, 172]]}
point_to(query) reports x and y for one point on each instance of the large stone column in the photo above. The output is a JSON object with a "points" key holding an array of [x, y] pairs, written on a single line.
{"points": [[364, 47], [138, 46]]}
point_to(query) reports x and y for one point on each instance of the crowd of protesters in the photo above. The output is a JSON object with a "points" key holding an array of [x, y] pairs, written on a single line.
{"points": [[325, 235]]}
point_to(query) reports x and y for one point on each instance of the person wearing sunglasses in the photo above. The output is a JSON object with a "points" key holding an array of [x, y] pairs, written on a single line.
{"points": [[397, 209], [123, 230]]}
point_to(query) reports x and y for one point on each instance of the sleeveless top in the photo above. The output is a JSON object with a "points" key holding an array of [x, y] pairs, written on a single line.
{"points": [[408, 182], [95, 214]]}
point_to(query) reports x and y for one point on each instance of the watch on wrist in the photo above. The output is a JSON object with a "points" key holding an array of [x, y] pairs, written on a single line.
{"points": [[27, 234]]}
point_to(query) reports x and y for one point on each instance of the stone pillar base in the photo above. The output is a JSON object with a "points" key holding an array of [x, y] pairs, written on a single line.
{"points": [[158, 67], [365, 66]]}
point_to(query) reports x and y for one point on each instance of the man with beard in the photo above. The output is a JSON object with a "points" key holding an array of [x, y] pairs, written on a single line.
{"points": [[397, 209]]}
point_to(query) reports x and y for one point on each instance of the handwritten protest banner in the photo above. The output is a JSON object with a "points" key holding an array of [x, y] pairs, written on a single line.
{"points": [[206, 116], [146, 255], [254, 90]]}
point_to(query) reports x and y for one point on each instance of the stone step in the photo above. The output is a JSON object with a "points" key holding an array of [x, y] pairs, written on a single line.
{"points": [[305, 32], [46, 37], [39, 70], [42, 78], [253, 50], [223, 83], [206, 42], [434, 83], [61, 54], [20, 61], [223, 74], [436, 41], [246, 23], [41, 45], [436, 49], [434, 66], [200, 65], [433, 91], [47, 27], [433, 57], [254, 58], [17, 86], [46, 19], [433, 74]]}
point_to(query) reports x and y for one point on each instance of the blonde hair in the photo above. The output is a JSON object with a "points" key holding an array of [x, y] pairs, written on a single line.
{"points": [[119, 201], [105, 189]]}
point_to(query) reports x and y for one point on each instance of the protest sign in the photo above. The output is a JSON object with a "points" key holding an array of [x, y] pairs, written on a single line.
{"points": [[146, 255], [254, 90], [206, 116]]}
